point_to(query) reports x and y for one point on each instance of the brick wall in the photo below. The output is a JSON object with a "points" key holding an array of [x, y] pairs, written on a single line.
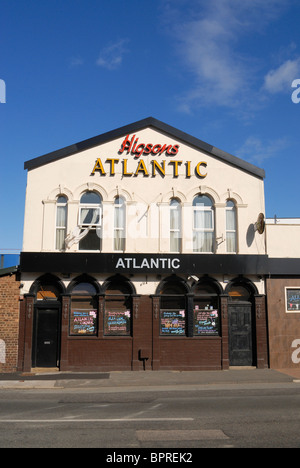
{"points": [[284, 328], [9, 321]]}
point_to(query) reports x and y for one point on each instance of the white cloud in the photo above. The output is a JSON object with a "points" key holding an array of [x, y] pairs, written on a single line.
{"points": [[76, 62], [208, 38], [281, 79], [111, 56], [257, 151]]}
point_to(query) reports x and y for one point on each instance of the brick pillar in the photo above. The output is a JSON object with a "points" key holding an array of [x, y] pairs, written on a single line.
{"points": [[224, 332], [101, 309], [155, 332], [261, 332], [135, 363], [29, 313], [65, 313]]}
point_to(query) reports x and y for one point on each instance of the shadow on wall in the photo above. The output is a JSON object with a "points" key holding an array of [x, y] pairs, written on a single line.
{"points": [[250, 234]]}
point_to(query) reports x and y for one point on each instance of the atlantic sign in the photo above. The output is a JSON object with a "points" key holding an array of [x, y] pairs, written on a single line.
{"points": [[136, 165]]}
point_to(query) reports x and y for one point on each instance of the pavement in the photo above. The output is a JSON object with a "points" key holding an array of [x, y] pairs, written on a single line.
{"points": [[113, 382]]}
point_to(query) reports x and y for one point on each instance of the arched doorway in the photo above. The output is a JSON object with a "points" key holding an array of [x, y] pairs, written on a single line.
{"points": [[46, 333], [241, 323]]}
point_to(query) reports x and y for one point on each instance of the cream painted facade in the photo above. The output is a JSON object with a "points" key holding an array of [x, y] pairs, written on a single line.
{"points": [[147, 197], [282, 237]]}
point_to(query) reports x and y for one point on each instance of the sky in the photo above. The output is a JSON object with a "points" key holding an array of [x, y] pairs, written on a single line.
{"points": [[224, 71]]}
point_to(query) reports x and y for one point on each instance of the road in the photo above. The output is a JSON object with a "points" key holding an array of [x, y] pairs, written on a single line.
{"points": [[215, 416]]}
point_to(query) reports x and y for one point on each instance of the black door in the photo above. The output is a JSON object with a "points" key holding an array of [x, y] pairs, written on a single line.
{"points": [[240, 334], [46, 343]]}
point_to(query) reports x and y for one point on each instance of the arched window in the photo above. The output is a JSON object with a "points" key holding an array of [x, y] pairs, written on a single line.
{"points": [[175, 225], [119, 224], [173, 317], [84, 310], [231, 231], [206, 309], [239, 292], [203, 224], [118, 308], [61, 222], [90, 214]]}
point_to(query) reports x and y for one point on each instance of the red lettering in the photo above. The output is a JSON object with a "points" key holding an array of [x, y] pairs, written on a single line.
{"points": [[156, 149], [135, 143], [173, 150], [148, 149], [125, 143], [132, 146], [139, 149]]}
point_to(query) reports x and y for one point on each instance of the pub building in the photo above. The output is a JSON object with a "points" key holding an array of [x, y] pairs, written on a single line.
{"points": [[145, 248]]}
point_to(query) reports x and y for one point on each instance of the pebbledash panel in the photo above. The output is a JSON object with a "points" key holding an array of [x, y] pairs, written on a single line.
{"points": [[143, 250]]}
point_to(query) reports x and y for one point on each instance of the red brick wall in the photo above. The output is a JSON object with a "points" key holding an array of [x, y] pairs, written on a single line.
{"points": [[9, 322]]}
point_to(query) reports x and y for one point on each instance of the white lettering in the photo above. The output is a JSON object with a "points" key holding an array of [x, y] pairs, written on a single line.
{"points": [[118, 458], [296, 353], [2, 352], [145, 264], [151, 263], [154, 262], [120, 264], [2, 92], [295, 94]]}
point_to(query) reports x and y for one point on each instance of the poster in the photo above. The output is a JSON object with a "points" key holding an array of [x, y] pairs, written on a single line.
{"points": [[292, 300], [83, 322], [117, 322], [206, 322], [172, 322]]}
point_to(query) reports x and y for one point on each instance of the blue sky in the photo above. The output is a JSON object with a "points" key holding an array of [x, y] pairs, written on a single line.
{"points": [[221, 71]]}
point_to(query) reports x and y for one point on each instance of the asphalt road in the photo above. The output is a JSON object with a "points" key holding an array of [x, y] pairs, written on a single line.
{"points": [[231, 416]]}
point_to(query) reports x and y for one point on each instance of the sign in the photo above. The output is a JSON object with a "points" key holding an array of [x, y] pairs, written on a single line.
{"points": [[147, 263], [172, 322], [83, 322], [117, 322], [131, 145], [132, 168], [292, 299], [141, 168], [206, 322]]}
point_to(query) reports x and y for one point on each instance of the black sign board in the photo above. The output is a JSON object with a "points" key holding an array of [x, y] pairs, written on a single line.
{"points": [[172, 322], [83, 322], [206, 322], [117, 322]]}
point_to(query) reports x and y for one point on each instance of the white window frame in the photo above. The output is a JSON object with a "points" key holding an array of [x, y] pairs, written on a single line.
{"points": [[93, 226], [232, 231], [178, 230], [120, 229], [59, 228], [90, 207], [203, 229]]}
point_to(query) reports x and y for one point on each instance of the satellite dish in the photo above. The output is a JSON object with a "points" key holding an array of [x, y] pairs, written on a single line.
{"points": [[259, 226]]}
